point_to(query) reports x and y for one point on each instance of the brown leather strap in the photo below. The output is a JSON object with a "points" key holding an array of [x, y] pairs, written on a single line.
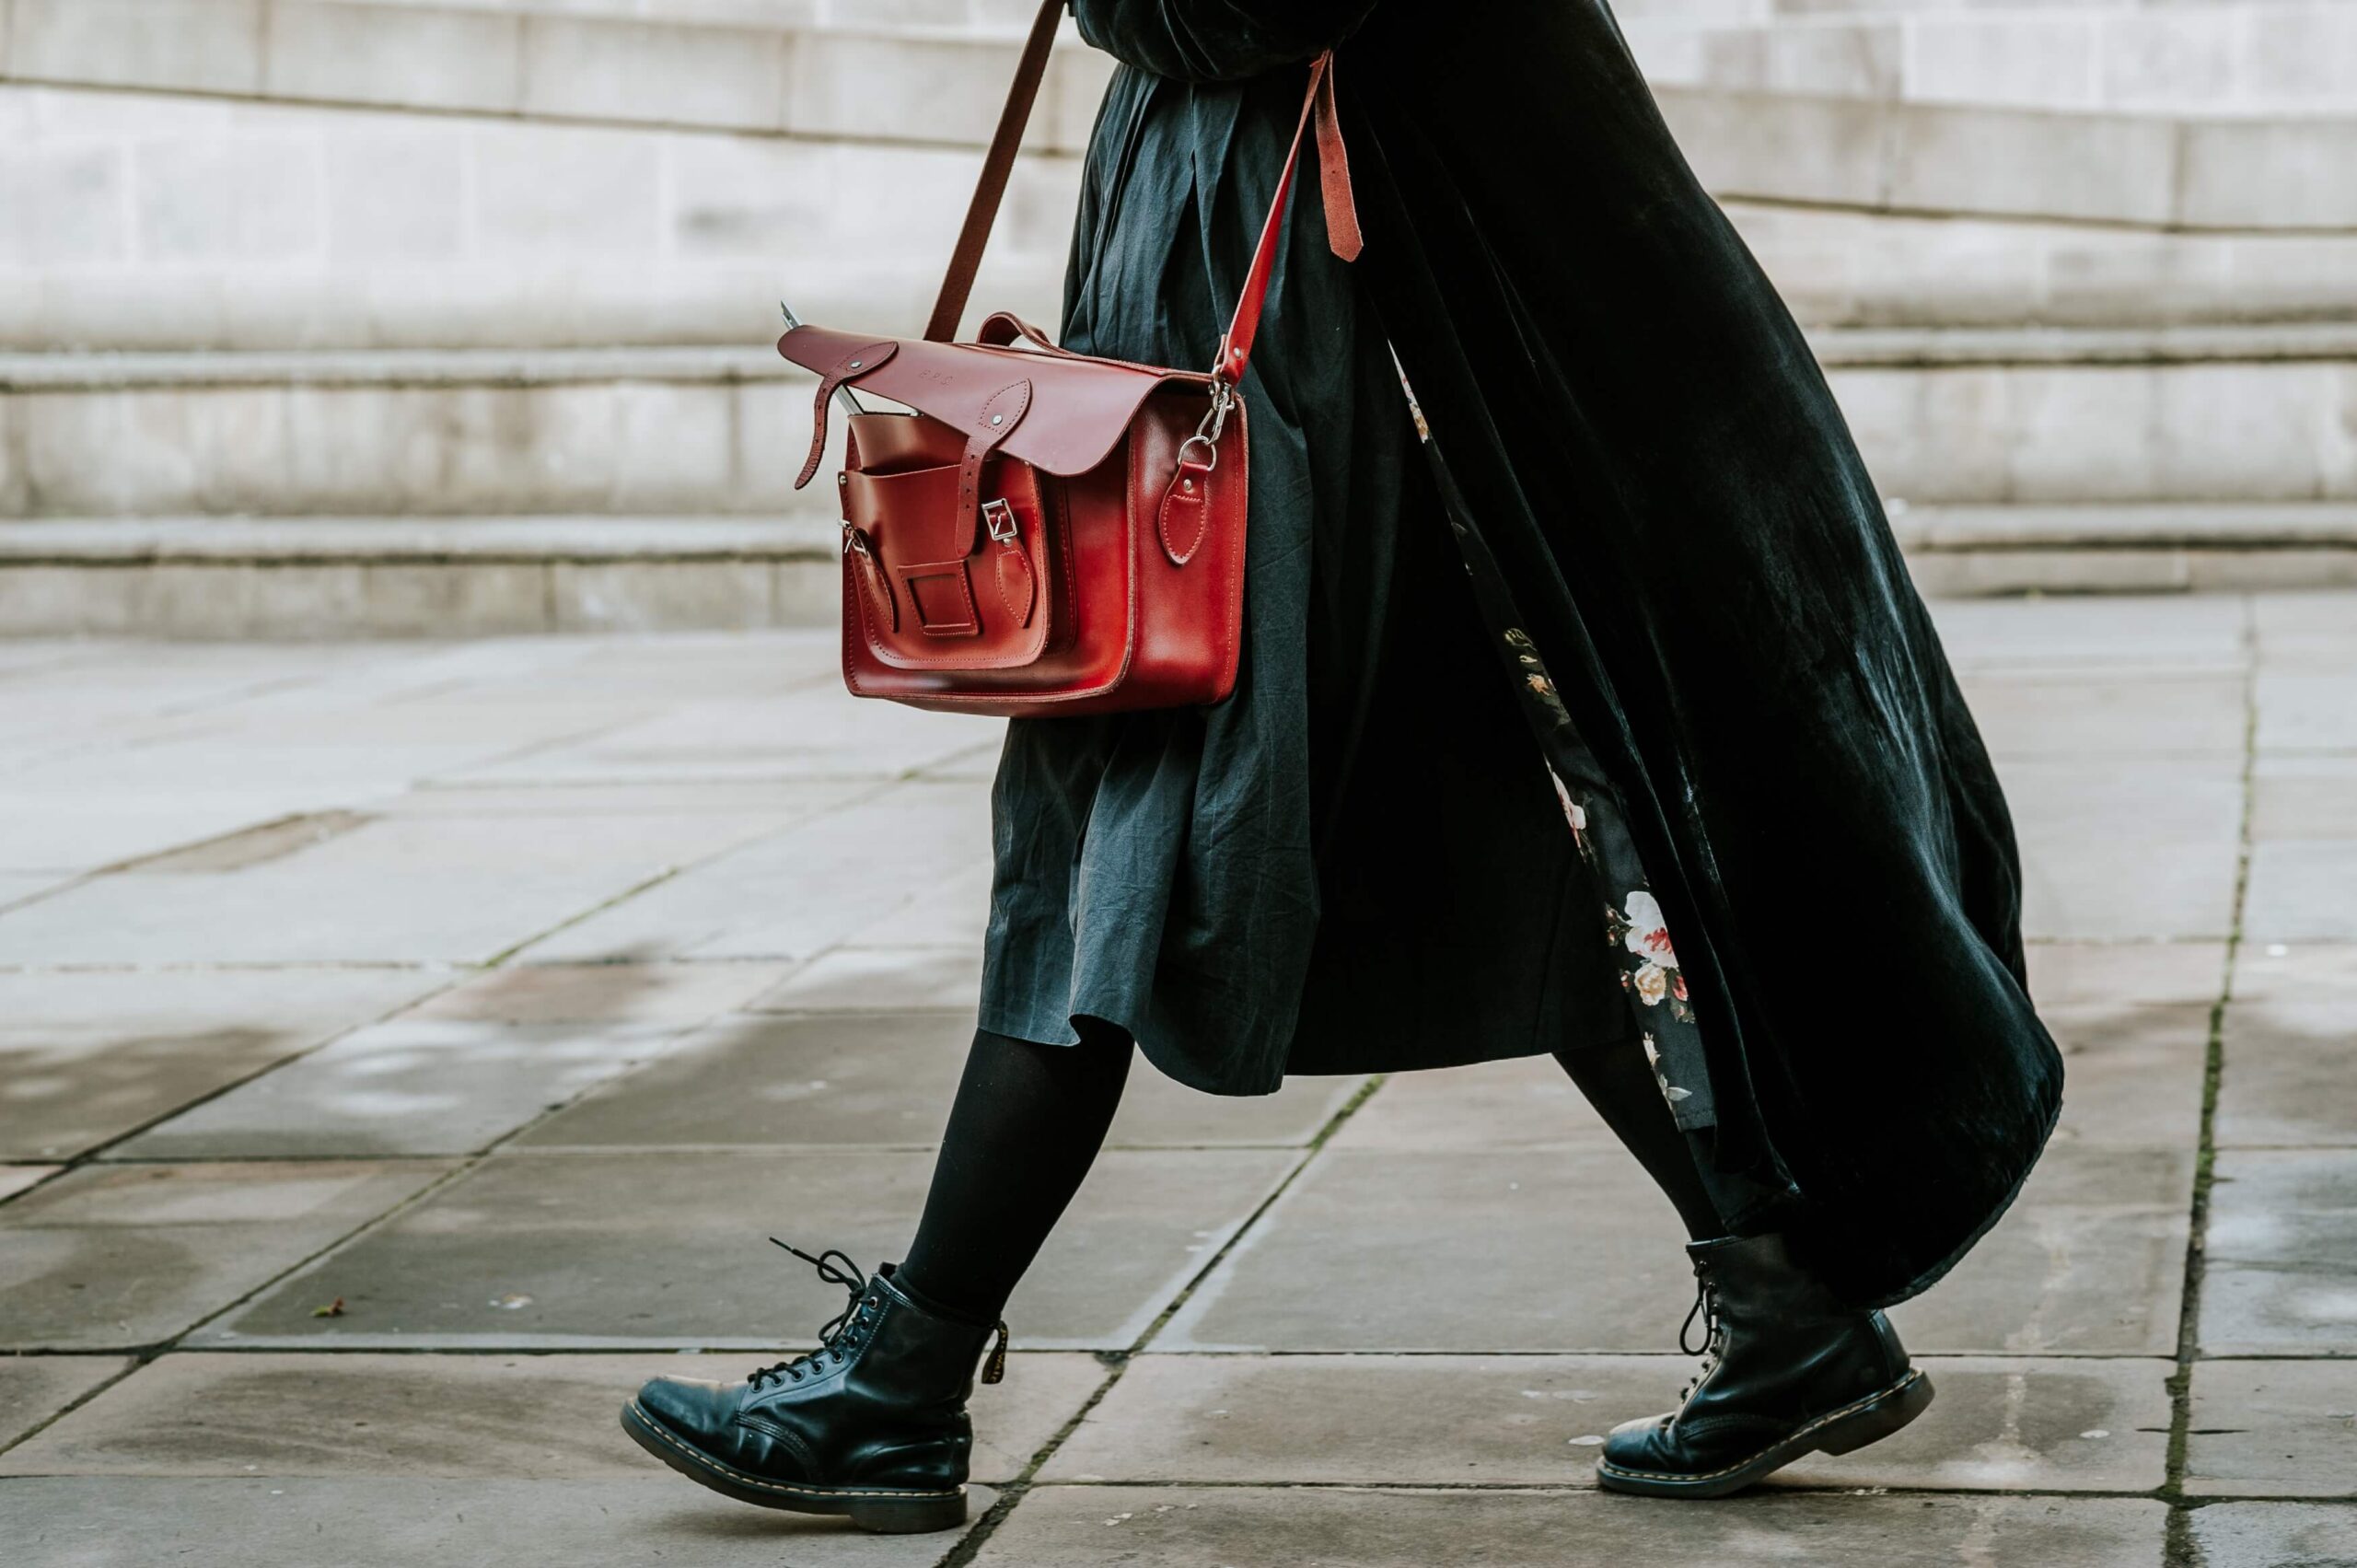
{"points": [[997, 166], [1343, 234]]}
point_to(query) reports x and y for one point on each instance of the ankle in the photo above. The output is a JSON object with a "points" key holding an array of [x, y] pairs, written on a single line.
{"points": [[945, 1304]]}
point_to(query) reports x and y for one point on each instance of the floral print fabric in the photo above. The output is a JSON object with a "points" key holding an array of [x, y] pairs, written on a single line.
{"points": [[1634, 926]]}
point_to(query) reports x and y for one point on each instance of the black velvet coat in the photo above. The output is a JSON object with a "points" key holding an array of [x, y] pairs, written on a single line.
{"points": [[1696, 551]]}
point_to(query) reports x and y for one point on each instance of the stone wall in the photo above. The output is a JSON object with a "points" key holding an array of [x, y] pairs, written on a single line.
{"points": [[343, 265]]}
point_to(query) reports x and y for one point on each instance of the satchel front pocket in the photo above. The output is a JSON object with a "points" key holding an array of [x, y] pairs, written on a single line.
{"points": [[929, 574]]}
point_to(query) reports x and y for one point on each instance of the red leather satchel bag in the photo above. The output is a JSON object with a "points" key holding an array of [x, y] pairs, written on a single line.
{"points": [[1047, 532]]}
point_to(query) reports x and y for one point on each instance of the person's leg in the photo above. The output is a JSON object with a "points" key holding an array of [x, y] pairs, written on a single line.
{"points": [[1619, 1081], [1788, 1369], [1023, 1132], [873, 1424]]}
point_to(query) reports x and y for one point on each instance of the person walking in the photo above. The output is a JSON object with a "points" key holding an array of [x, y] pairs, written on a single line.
{"points": [[1586, 709]]}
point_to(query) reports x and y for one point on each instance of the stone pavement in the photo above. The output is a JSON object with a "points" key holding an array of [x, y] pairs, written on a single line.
{"points": [[404, 1049]]}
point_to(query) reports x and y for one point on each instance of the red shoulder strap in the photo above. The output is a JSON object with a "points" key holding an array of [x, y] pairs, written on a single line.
{"points": [[1236, 348]]}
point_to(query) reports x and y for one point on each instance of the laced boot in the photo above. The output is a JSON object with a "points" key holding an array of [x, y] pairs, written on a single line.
{"points": [[1787, 1371], [872, 1425]]}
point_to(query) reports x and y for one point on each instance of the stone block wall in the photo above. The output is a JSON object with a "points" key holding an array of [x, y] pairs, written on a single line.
{"points": [[342, 266], [2263, 57]]}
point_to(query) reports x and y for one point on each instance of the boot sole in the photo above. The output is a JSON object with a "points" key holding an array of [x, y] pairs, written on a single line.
{"points": [[880, 1510], [1844, 1430]]}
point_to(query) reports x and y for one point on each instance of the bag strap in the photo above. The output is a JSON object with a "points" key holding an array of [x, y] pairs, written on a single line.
{"points": [[1343, 234]]}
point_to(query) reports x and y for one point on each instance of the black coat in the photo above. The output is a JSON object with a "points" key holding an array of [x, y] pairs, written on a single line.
{"points": [[1700, 556]]}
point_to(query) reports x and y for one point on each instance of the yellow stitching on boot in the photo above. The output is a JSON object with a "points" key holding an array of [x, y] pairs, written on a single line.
{"points": [[656, 1427], [1913, 1375]]}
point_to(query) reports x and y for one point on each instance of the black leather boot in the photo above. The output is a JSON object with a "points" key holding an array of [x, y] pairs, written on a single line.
{"points": [[872, 1425], [1787, 1371]]}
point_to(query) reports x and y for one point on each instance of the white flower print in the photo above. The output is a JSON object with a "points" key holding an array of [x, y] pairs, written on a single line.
{"points": [[1573, 811], [1653, 984], [1648, 934]]}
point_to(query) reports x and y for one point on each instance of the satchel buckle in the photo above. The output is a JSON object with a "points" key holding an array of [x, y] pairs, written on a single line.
{"points": [[999, 518]]}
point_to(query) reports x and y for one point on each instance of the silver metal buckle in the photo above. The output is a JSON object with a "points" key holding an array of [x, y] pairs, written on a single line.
{"points": [[999, 518]]}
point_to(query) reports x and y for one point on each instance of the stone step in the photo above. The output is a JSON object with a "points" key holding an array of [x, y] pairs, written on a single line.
{"points": [[354, 577], [2250, 413], [344, 577], [1846, 268], [2269, 58], [1959, 552]]}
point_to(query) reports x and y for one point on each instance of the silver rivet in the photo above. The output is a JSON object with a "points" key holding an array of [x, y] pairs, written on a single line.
{"points": [[1190, 485], [857, 363], [998, 419]]}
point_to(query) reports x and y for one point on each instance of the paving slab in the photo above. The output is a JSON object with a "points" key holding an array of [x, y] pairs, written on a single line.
{"points": [[35, 1388], [1088, 1527], [2125, 974], [780, 659], [2114, 853], [2296, 621], [669, 995], [853, 979], [2299, 891], [2078, 713], [2307, 710], [15, 1178], [88, 1057], [556, 1251], [85, 828], [2320, 974], [2281, 1278], [1527, 1102], [402, 889], [2276, 1534], [2304, 796], [111, 1521], [2045, 1425], [801, 891], [2273, 1429], [115, 1255], [2132, 1074], [16, 886], [2094, 633], [2090, 1260], [1572, 1248], [411, 1087], [2287, 1073], [780, 802], [1436, 1249], [522, 1418], [817, 731], [954, 915], [887, 1079]]}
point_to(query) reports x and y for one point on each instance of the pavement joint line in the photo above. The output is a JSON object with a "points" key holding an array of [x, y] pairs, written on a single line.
{"points": [[463, 1164], [2180, 1550], [96, 1153], [878, 790], [1117, 1362]]}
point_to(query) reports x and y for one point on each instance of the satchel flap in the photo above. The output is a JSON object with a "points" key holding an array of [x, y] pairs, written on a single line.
{"points": [[1079, 406]]}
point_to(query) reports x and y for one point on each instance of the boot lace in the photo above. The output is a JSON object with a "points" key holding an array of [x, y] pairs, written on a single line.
{"points": [[1706, 1310], [838, 1337]]}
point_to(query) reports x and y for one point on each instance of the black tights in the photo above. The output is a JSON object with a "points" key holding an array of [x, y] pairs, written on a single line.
{"points": [[1025, 1127], [1029, 1118]]}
